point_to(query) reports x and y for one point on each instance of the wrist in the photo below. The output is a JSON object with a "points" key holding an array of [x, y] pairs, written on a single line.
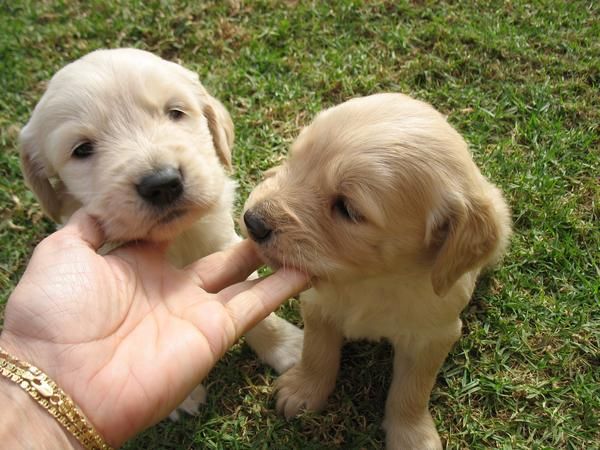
{"points": [[25, 424], [25, 369]]}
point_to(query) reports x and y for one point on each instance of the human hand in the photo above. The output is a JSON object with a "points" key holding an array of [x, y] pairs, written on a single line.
{"points": [[127, 335]]}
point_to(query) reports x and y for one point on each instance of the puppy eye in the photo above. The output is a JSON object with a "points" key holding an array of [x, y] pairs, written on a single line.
{"points": [[83, 150], [342, 208], [175, 114]]}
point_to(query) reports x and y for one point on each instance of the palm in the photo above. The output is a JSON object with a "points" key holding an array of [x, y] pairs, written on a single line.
{"points": [[127, 335]]}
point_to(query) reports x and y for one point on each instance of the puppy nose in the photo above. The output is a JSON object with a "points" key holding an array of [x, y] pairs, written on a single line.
{"points": [[257, 227], [161, 187]]}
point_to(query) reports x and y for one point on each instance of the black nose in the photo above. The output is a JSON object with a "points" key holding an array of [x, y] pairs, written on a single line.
{"points": [[161, 187], [258, 229]]}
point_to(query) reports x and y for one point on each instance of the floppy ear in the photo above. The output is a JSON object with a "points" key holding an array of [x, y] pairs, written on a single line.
{"points": [[470, 233], [271, 172], [221, 128], [36, 178]]}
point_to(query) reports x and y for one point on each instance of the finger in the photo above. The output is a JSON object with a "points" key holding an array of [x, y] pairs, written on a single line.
{"points": [[229, 292], [224, 268], [249, 307], [83, 227]]}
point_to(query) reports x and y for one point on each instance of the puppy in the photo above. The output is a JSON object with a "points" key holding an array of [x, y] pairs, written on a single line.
{"points": [[141, 145], [382, 203]]}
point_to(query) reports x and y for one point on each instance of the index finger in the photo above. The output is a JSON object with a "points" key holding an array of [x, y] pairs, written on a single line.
{"points": [[219, 270]]}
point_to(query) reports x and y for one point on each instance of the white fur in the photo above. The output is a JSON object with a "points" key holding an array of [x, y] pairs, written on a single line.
{"points": [[119, 100]]}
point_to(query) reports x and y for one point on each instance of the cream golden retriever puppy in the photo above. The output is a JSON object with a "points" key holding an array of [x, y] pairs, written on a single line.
{"points": [[141, 145], [382, 203]]}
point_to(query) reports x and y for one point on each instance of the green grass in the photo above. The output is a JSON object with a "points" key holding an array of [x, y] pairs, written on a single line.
{"points": [[520, 80]]}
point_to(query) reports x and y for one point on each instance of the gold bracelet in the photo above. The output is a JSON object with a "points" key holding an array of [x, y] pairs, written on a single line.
{"points": [[53, 399]]}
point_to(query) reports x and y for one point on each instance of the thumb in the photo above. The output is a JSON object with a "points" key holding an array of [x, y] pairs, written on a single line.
{"points": [[83, 227]]}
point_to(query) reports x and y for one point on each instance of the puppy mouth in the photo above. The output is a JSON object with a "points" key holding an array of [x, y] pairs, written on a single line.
{"points": [[275, 261], [171, 216], [271, 261], [173, 220]]}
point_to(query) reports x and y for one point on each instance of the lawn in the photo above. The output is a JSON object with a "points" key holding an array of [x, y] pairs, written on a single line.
{"points": [[520, 80]]}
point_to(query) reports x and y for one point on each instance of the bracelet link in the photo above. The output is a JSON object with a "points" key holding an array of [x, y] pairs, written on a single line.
{"points": [[52, 398], [38, 383]]}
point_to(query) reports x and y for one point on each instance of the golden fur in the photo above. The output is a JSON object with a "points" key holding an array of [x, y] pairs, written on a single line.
{"points": [[382, 203], [121, 102]]}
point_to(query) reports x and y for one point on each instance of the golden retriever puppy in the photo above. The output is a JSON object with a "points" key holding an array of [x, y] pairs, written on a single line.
{"points": [[141, 145], [382, 203]]}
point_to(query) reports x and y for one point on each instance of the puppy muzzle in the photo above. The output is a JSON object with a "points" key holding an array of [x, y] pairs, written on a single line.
{"points": [[258, 228], [161, 187]]}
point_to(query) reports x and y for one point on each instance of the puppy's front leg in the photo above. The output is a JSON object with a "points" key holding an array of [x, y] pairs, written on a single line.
{"points": [[307, 385], [276, 342], [408, 423]]}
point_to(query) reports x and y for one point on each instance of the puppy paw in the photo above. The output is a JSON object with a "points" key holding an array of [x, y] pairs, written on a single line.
{"points": [[416, 434], [297, 390], [277, 342], [286, 353], [191, 404]]}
